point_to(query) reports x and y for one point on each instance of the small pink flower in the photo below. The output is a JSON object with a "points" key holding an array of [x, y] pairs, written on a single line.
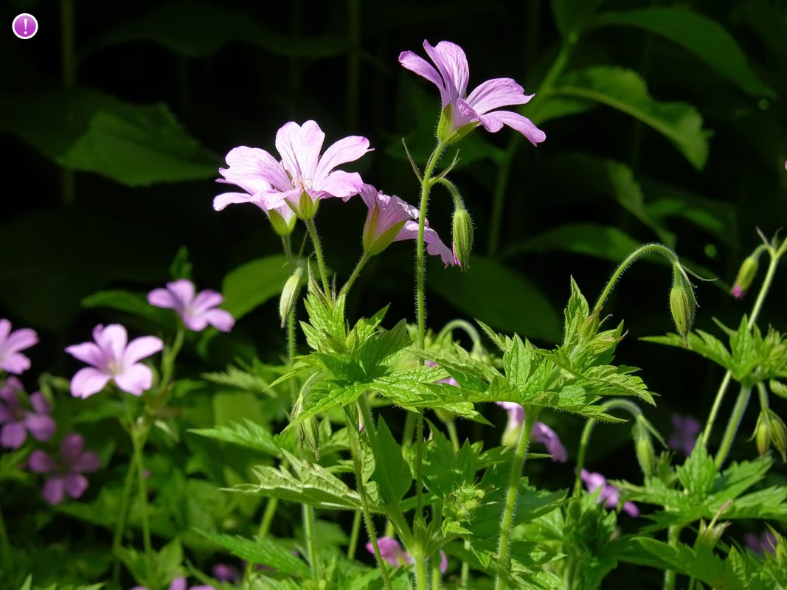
{"points": [[609, 495], [197, 312], [684, 434], [541, 433], [226, 573], [392, 552], [66, 475], [17, 420], [10, 345], [451, 78], [112, 360], [765, 542]]}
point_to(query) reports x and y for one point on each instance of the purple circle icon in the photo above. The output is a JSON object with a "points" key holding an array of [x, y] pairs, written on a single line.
{"points": [[25, 26]]}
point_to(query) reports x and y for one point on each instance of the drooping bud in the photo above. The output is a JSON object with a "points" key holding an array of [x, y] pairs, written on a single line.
{"points": [[280, 225], [771, 431], [745, 277], [643, 445], [308, 430], [778, 388], [463, 238], [682, 302], [289, 295]]}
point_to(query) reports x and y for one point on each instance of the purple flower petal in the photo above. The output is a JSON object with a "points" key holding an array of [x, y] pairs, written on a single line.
{"points": [[135, 379], [343, 151], [423, 68], [452, 64], [516, 414], [5, 415], [220, 319], [71, 448], [434, 245], [88, 352], [443, 562], [15, 363], [493, 122], [87, 382], [341, 184], [40, 462], [178, 584], [19, 340], [549, 438], [13, 435], [299, 148], [112, 340], [206, 300], [53, 490], [221, 201], [9, 391], [162, 298], [75, 485], [258, 164], [87, 462], [41, 426], [40, 403], [631, 509], [139, 349], [496, 93]]}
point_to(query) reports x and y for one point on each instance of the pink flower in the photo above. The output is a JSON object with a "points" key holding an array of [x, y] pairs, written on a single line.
{"points": [[516, 414], [226, 573], [66, 475], [17, 420], [111, 359], [179, 584], [392, 552], [609, 495], [390, 219], [541, 433], [684, 434], [195, 311], [243, 173], [302, 177], [10, 345], [462, 113], [765, 542]]}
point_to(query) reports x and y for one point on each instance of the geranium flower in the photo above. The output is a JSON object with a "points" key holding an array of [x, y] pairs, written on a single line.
{"points": [[239, 173], [179, 584], [197, 312], [766, 541], [541, 433], [17, 420], [390, 219], [392, 552], [10, 345], [462, 113], [684, 433], [302, 177], [67, 473], [226, 573], [609, 494], [112, 360]]}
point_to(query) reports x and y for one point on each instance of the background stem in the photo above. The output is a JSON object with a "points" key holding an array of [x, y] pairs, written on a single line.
{"points": [[732, 426], [318, 254]]}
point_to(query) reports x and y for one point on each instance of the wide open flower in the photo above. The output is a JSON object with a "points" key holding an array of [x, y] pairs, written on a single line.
{"points": [[684, 434], [111, 359], [17, 420], [609, 494], [195, 311], [390, 219], [462, 113], [392, 552], [541, 433], [282, 218], [10, 345], [302, 177], [67, 473]]}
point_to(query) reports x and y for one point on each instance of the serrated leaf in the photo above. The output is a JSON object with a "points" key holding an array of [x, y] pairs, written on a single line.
{"points": [[248, 434], [391, 472], [698, 473], [263, 551]]}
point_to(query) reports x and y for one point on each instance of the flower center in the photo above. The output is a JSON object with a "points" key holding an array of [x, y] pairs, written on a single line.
{"points": [[113, 367], [303, 183]]}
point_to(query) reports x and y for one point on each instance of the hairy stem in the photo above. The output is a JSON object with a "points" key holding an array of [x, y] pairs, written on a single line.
{"points": [[308, 533], [138, 440], [732, 426], [317, 245], [356, 530], [517, 464], [421, 573], [670, 576], [356, 272]]}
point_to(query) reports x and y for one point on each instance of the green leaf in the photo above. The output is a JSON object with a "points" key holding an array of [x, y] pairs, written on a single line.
{"points": [[248, 434], [571, 16], [698, 34], [391, 472], [606, 242], [200, 30], [253, 283], [10, 462], [698, 473], [135, 304], [627, 92], [263, 551], [518, 305]]}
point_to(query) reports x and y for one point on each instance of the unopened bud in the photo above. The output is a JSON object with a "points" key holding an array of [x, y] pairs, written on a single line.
{"points": [[605, 341], [771, 431], [463, 238], [308, 430], [682, 303], [589, 327], [282, 226], [289, 295], [778, 388], [446, 132], [643, 445], [745, 277], [709, 534]]}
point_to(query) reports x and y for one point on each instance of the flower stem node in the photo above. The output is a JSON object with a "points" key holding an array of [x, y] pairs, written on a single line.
{"points": [[281, 226], [683, 304], [745, 277], [463, 238], [289, 295]]}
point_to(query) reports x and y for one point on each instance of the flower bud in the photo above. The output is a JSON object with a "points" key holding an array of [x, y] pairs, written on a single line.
{"points": [[745, 277], [289, 295], [709, 534], [308, 430], [589, 327], [682, 303], [643, 445], [463, 238], [447, 133], [306, 207], [771, 431], [280, 225], [605, 341], [778, 388]]}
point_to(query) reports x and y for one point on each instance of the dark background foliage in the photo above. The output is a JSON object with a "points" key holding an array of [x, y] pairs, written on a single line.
{"points": [[136, 181]]}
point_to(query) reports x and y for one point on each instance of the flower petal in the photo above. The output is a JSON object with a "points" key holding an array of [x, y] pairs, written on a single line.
{"points": [[13, 435], [220, 319], [162, 298], [341, 184], [423, 68], [434, 245], [259, 164], [343, 151], [75, 485], [224, 199], [493, 122], [141, 348], [135, 379], [40, 462], [206, 300], [20, 339], [178, 584], [299, 148], [443, 562], [40, 404], [631, 509], [88, 381], [496, 93], [41, 426], [112, 340], [549, 438], [71, 448], [53, 490], [87, 462], [451, 62], [182, 292], [9, 391], [88, 352], [5, 330], [15, 363], [196, 323]]}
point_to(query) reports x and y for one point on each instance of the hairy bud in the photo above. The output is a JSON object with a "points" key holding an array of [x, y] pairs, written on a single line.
{"points": [[281, 226], [643, 445], [446, 132], [308, 430], [463, 238], [745, 277], [589, 327], [289, 295], [682, 302], [771, 431]]}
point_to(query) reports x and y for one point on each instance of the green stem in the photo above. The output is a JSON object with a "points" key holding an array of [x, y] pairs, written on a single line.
{"points": [[287, 246], [5, 544], [168, 365], [355, 448], [357, 271], [763, 394], [630, 259], [409, 428], [670, 576], [121, 524], [732, 426], [267, 516], [308, 532], [421, 574], [451, 425], [465, 575], [138, 440], [318, 254], [463, 325], [356, 530], [755, 312], [621, 404], [517, 464]]}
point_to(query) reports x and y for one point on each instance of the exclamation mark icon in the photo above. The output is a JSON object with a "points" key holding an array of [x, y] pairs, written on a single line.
{"points": [[25, 27]]}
